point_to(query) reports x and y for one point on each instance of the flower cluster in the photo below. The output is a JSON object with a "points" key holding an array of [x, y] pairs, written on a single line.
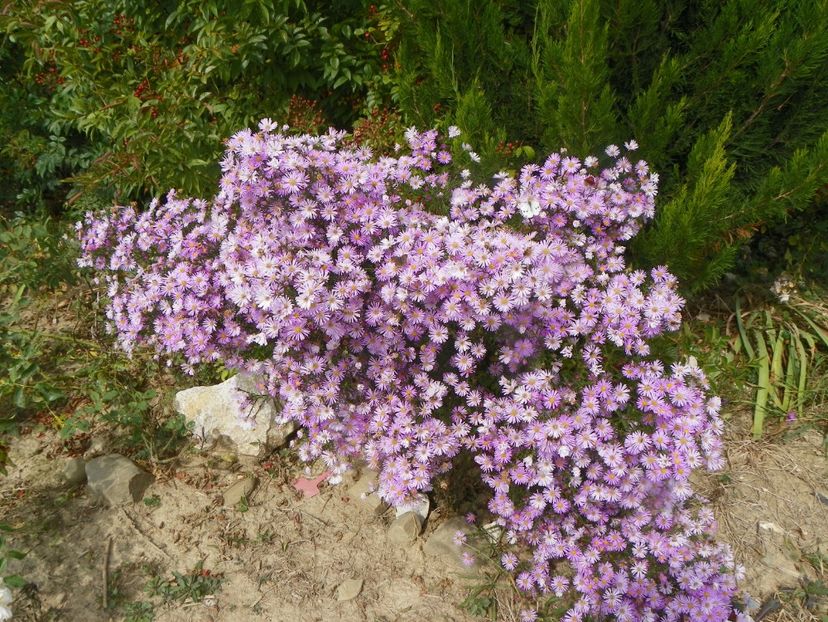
{"points": [[401, 313]]}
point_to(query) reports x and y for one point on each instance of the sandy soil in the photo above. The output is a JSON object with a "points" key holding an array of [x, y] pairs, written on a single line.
{"points": [[767, 502], [282, 557]]}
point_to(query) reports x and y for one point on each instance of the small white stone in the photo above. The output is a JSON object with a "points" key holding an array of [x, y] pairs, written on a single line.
{"points": [[420, 505], [493, 531], [348, 590], [240, 489], [767, 527]]}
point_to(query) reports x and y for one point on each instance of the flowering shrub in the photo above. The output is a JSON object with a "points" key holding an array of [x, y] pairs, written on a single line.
{"points": [[506, 326]]}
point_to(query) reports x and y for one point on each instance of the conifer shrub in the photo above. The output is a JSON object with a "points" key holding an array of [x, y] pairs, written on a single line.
{"points": [[725, 98], [405, 310]]}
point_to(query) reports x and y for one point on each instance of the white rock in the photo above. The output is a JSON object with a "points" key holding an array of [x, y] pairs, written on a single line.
{"points": [[216, 413], [348, 590], [768, 528], [420, 505]]}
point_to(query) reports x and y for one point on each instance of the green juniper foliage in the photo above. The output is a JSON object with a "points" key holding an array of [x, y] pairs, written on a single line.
{"points": [[726, 99]]}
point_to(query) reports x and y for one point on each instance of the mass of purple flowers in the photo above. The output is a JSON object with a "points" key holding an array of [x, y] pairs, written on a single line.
{"points": [[401, 313]]}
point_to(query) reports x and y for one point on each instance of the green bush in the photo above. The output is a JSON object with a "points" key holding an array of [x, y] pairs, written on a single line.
{"points": [[56, 366], [131, 98], [726, 100]]}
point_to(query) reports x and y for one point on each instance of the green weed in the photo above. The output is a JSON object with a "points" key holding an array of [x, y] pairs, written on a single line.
{"points": [[785, 345], [153, 501], [7, 553], [193, 586]]}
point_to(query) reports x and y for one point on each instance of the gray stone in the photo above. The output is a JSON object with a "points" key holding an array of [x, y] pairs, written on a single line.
{"points": [[374, 504], [420, 505], [405, 529], [362, 492], [348, 590], [97, 447], [74, 471], [117, 479], [441, 542], [241, 489], [776, 539], [216, 412], [776, 572], [822, 496]]}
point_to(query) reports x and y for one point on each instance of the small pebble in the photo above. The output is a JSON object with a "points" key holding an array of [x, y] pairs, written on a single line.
{"points": [[348, 590]]}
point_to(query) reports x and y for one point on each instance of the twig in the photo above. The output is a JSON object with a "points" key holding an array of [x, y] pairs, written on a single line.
{"points": [[146, 537], [296, 510], [106, 574]]}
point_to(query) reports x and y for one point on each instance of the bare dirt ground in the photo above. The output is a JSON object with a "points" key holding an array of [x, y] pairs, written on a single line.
{"points": [[771, 502], [280, 557]]}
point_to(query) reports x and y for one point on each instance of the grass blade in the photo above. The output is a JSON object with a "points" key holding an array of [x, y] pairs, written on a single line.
{"points": [[790, 373], [803, 375], [816, 328], [763, 389], [742, 333], [776, 371]]}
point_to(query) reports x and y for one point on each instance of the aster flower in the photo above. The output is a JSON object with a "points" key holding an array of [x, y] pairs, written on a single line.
{"points": [[400, 335]]}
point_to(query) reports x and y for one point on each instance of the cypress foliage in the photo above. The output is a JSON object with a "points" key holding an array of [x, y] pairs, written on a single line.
{"points": [[726, 100], [574, 97]]}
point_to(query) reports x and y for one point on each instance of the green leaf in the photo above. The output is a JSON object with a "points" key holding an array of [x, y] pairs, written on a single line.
{"points": [[790, 371], [823, 335], [14, 581], [776, 369], [20, 398], [763, 383], [743, 334], [803, 374]]}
